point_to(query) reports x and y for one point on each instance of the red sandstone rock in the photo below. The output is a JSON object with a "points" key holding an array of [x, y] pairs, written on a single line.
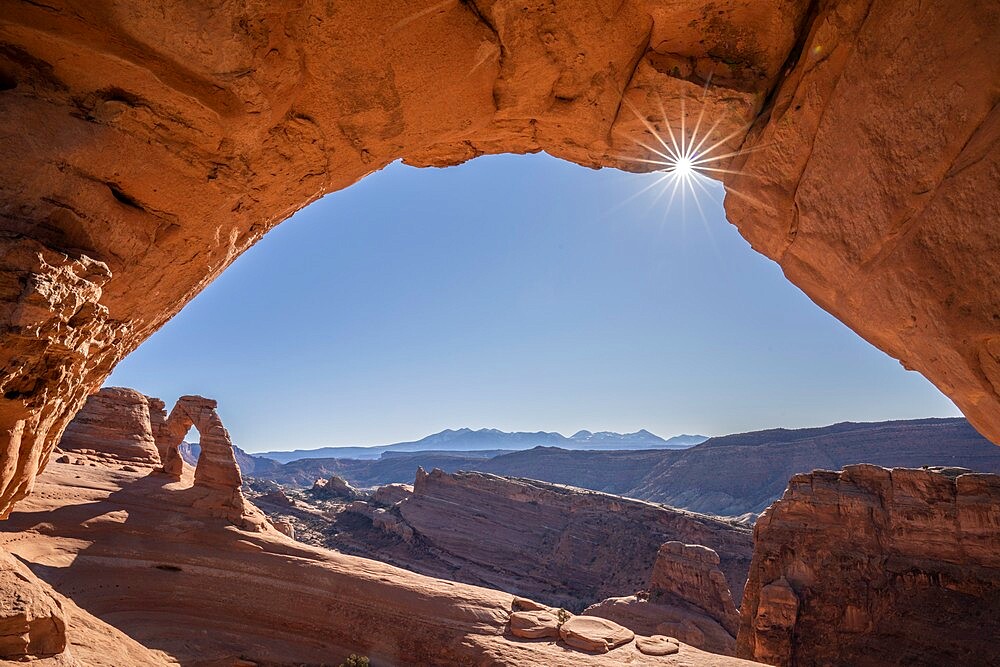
{"points": [[687, 597], [537, 624], [589, 633], [871, 566], [206, 592], [657, 645], [115, 423], [32, 621], [690, 573], [564, 546], [147, 145], [335, 487], [390, 494]]}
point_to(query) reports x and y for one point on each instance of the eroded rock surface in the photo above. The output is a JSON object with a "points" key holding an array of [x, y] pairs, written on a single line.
{"points": [[116, 423], [688, 597], [147, 144], [564, 546], [335, 487], [32, 620], [871, 566], [177, 570]]}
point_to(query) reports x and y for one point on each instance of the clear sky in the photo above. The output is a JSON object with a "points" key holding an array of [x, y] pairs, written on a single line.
{"points": [[519, 293]]}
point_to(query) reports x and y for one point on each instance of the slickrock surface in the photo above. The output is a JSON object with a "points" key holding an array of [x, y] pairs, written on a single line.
{"points": [[199, 590], [687, 597], [32, 621], [597, 635], [560, 545], [116, 422], [872, 566], [148, 143]]}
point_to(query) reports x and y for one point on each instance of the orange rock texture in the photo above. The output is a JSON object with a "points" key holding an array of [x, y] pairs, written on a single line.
{"points": [[561, 545], [144, 559], [688, 597], [115, 423], [872, 566], [146, 144]]}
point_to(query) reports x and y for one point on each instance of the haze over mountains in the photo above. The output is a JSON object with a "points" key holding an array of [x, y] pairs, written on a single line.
{"points": [[491, 439], [728, 475]]}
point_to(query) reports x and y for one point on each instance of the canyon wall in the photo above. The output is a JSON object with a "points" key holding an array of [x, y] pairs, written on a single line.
{"points": [[875, 567], [147, 144], [561, 545], [727, 475], [118, 567]]}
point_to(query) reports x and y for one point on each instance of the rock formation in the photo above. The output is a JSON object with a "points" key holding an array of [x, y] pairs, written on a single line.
{"points": [[597, 635], [728, 475], [563, 546], [871, 566], [687, 597], [690, 573], [32, 621], [116, 423], [145, 562], [148, 144], [390, 494], [335, 487]]}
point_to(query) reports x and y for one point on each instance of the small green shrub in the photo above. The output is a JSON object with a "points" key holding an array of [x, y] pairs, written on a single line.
{"points": [[354, 660], [562, 615]]}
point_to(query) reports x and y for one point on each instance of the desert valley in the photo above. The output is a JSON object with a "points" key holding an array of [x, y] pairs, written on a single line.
{"points": [[835, 518]]}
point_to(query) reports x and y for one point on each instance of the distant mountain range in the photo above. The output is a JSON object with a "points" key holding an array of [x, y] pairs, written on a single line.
{"points": [[729, 475], [468, 440]]}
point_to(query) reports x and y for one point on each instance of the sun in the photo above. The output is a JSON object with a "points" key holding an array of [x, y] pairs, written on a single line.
{"points": [[683, 166], [687, 158]]}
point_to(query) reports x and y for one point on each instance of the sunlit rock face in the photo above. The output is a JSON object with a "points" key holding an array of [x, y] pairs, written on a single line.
{"points": [[114, 423], [875, 183], [147, 144], [872, 566]]}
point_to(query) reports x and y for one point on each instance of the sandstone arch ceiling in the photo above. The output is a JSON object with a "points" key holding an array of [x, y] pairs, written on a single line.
{"points": [[147, 143]]}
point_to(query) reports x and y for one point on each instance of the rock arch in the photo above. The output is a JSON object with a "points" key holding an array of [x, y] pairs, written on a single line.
{"points": [[146, 144], [216, 467]]}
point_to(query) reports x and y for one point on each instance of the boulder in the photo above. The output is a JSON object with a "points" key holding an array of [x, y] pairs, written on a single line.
{"points": [[334, 488], [597, 635], [536, 624], [657, 645]]}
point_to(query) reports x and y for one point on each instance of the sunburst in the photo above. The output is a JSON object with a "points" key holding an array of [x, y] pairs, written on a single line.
{"points": [[685, 159]]}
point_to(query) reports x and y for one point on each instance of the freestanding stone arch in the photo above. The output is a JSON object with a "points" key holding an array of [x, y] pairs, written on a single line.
{"points": [[146, 144], [216, 467]]}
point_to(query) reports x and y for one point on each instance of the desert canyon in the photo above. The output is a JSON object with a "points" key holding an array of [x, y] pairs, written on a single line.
{"points": [[146, 145]]}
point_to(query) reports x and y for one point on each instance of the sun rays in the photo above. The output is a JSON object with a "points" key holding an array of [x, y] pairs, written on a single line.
{"points": [[690, 159]]}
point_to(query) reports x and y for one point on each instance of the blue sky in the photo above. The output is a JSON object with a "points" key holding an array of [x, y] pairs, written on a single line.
{"points": [[520, 293]]}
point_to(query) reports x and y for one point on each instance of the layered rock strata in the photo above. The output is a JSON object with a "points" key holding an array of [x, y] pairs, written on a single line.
{"points": [[114, 422], [687, 597], [564, 546], [871, 566], [148, 144], [201, 591]]}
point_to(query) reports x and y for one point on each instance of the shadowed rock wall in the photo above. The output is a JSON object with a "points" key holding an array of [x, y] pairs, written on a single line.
{"points": [[871, 566]]}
